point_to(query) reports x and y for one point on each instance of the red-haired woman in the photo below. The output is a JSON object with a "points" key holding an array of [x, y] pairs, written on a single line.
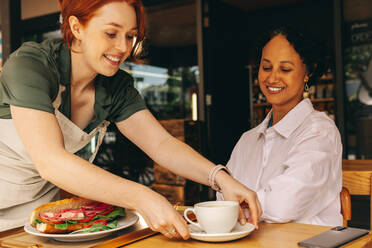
{"points": [[56, 95]]}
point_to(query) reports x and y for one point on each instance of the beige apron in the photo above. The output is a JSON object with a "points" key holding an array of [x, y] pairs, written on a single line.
{"points": [[21, 187]]}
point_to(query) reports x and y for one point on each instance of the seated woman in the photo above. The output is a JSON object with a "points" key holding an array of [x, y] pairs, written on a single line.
{"points": [[293, 158]]}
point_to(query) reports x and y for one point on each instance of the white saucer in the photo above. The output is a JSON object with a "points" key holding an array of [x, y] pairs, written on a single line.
{"points": [[238, 232]]}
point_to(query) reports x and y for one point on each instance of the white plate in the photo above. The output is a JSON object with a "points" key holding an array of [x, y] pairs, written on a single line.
{"points": [[129, 220], [238, 232]]}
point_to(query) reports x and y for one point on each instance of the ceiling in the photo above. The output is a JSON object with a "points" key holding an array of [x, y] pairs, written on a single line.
{"points": [[259, 4], [172, 23]]}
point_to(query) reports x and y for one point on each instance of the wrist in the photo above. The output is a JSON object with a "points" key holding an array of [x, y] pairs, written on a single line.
{"points": [[222, 177], [217, 176], [140, 197]]}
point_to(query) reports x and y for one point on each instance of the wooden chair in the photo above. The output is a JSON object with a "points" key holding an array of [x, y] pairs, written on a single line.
{"points": [[357, 178], [345, 205]]}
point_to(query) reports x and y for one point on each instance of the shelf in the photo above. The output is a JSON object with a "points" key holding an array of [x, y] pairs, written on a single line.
{"points": [[326, 77], [319, 100], [261, 104], [315, 100]]}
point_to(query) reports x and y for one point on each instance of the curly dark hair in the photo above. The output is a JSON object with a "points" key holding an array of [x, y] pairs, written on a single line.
{"points": [[310, 50]]}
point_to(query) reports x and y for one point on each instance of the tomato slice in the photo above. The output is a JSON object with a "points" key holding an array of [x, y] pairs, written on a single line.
{"points": [[87, 219], [51, 221], [107, 212]]}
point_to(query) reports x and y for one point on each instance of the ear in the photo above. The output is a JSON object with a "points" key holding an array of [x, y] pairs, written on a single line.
{"points": [[75, 26]]}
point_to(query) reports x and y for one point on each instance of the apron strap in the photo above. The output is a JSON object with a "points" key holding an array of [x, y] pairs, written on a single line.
{"points": [[58, 100], [101, 134]]}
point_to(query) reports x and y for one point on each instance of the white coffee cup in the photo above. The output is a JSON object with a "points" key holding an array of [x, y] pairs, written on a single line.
{"points": [[215, 216]]}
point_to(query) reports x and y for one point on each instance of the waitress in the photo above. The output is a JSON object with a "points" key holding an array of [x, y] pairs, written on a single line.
{"points": [[55, 96]]}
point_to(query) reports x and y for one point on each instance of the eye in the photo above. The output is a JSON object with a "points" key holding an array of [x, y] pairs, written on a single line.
{"points": [[111, 35], [132, 36], [286, 69], [266, 68]]}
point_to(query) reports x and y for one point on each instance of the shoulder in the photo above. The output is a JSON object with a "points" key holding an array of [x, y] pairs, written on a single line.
{"points": [[248, 137], [319, 126], [33, 58], [30, 75], [320, 122], [43, 52]]}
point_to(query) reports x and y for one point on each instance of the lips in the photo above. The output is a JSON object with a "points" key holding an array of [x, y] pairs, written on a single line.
{"points": [[114, 60], [274, 89]]}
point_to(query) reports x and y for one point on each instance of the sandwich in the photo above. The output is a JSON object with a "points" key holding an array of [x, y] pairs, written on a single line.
{"points": [[75, 215]]}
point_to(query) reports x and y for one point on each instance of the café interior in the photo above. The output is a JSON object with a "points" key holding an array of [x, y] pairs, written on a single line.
{"points": [[199, 80]]}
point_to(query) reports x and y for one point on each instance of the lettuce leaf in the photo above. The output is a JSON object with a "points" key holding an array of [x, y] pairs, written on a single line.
{"points": [[65, 225], [98, 227], [62, 226], [118, 211], [37, 221]]}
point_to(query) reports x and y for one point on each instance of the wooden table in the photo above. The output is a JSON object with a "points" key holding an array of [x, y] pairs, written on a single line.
{"points": [[269, 235]]}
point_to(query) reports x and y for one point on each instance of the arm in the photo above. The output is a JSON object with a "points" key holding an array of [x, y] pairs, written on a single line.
{"points": [[146, 132], [43, 140], [311, 181]]}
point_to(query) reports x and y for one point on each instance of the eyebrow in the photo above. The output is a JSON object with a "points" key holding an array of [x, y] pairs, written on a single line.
{"points": [[282, 62], [118, 25]]}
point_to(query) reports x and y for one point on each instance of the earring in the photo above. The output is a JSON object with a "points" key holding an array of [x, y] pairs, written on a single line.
{"points": [[307, 88]]}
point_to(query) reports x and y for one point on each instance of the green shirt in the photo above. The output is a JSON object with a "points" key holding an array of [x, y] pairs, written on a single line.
{"points": [[32, 75]]}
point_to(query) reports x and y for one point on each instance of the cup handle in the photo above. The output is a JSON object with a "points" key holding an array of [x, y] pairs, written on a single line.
{"points": [[187, 218]]}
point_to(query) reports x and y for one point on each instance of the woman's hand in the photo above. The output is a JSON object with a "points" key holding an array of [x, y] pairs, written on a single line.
{"points": [[232, 190], [161, 216]]}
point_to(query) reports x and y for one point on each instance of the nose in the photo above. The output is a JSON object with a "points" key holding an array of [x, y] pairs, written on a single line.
{"points": [[272, 77], [122, 44]]}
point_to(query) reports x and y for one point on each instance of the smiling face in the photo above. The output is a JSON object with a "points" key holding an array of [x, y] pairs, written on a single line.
{"points": [[282, 74], [107, 39]]}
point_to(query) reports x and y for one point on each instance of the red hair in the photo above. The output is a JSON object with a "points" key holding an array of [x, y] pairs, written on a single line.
{"points": [[84, 10]]}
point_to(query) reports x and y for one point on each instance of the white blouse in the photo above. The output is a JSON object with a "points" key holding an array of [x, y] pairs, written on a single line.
{"points": [[294, 166]]}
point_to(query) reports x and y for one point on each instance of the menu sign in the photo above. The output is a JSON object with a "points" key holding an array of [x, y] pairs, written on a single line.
{"points": [[358, 33], [358, 54]]}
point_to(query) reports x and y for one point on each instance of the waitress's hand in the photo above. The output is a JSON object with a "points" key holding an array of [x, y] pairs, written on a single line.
{"points": [[232, 190], [161, 216]]}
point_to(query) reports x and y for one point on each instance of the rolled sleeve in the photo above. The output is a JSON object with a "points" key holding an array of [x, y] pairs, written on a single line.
{"points": [[26, 82]]}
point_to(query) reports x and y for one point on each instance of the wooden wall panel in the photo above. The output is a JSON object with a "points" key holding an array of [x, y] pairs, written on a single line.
{"points": [[357, 10]]}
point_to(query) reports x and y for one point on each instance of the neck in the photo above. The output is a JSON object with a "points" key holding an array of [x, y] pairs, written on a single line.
{"points": [[82, 76], [279, 111]]}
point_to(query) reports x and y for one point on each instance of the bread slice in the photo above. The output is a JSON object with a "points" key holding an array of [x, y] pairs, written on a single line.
{"points": [[56, 206], [50, 228]]}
